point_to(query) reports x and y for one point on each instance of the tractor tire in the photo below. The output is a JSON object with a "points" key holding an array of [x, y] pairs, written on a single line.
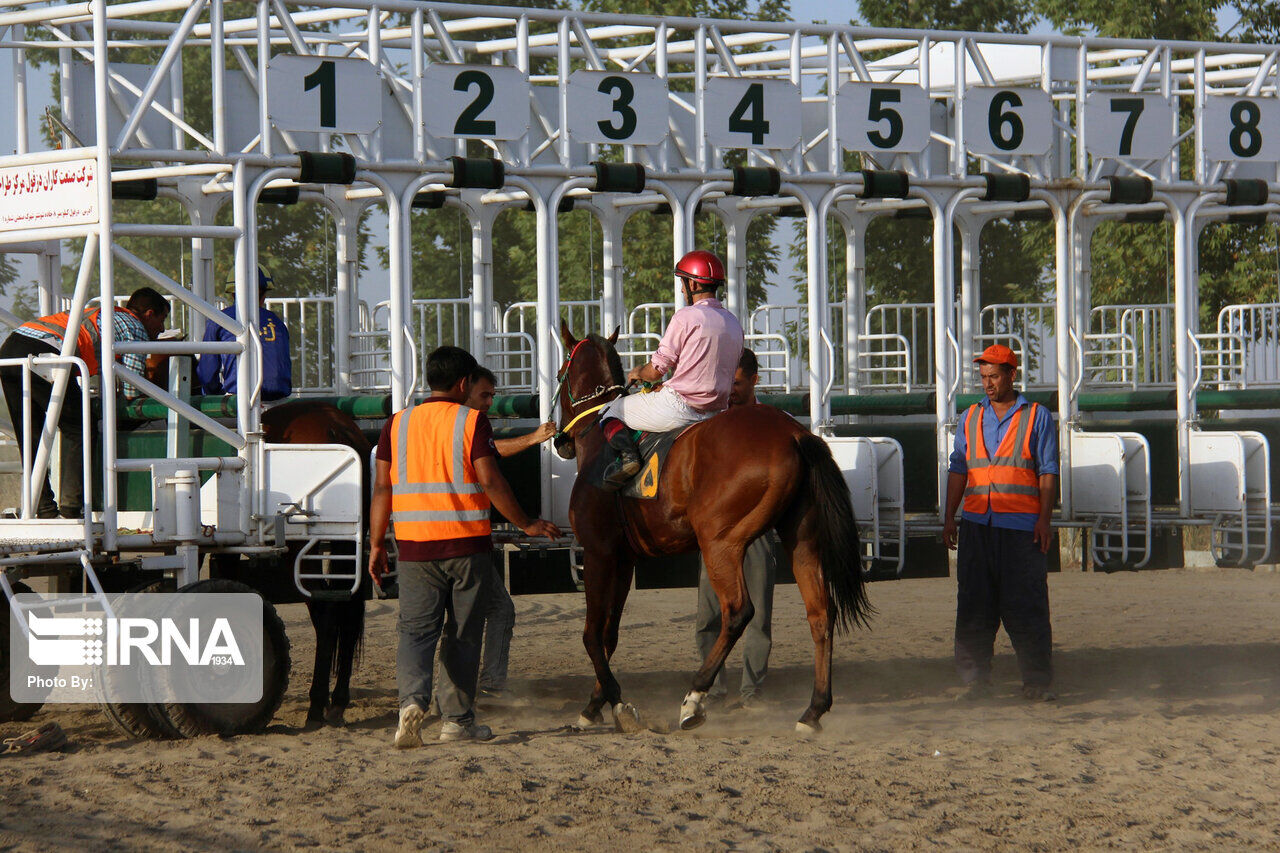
{"points": [[138, 720], [191, 719], [11, 711]]}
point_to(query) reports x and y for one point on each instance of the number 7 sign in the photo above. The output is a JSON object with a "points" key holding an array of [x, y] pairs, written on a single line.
{"points": [[1128, 125]]}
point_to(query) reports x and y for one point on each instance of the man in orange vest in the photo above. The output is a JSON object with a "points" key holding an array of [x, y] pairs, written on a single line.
{"points": [[1005, 467], [141, 319], [437, 474]]}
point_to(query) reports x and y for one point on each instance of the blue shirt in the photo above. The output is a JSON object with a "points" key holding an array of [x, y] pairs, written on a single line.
{"points": [[1044, 452], [216, 372]]}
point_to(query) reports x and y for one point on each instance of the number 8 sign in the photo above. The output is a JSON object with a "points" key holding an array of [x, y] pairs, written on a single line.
{"points": [[611, 107], [475, 101], [1241, 128]]}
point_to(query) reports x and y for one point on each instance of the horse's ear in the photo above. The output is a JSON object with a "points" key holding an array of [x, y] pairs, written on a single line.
{"points": [[613, 339], [566, 335]]}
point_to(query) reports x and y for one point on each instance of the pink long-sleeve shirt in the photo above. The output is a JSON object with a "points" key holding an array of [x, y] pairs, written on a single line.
{"points": [[701, 349]]}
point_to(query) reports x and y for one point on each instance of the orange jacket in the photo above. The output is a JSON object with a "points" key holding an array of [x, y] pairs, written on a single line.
{"points": [[1009, 482], [88, 341], [435, 493]]}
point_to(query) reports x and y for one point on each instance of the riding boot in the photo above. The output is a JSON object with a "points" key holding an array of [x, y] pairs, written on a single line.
{"points": [[627, 462]]}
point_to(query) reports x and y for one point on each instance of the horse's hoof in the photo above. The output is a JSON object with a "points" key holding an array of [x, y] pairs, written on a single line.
{"points": [[809, 731], [587, 720], [626, 718], [692, 713], [335, 716]]}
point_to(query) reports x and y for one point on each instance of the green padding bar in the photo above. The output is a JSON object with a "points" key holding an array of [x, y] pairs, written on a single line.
{"points": [[1126, 401], [514, 406], [792, 404], [1049, 399], [913, 403], [1249, 398]]}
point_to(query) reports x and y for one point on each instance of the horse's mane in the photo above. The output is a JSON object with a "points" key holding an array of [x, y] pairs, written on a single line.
{"points": [[611, 357]]}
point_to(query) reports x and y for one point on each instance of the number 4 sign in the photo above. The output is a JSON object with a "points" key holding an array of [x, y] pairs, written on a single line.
{"points": [[747, 113], [323, 95]]}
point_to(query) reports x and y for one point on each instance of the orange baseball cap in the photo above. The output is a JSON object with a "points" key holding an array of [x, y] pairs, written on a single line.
{"points": [[997, 354]]}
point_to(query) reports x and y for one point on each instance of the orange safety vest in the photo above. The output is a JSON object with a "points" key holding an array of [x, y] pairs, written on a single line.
{"points": [[1009, 482], [88, 341], [435, 494]]}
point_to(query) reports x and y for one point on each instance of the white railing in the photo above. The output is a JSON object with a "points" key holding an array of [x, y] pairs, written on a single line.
{"points": [[311, 321], [773, 354], [913, 321], [884, 362], [637, 348], [1257, 328], [513, 358], [1219, 360], [583, 317], [1139, 338], [1027, 329], [650, 318]]}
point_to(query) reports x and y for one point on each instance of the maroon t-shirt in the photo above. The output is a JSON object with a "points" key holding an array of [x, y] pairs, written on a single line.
{"points": [[442, 549]]}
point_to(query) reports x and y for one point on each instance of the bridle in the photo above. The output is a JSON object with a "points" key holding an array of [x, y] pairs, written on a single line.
{"points": [[600, 391]]}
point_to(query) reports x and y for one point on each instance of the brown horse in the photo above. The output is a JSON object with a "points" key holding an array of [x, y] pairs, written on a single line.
{"points": [[726, 481], [338, 623]]}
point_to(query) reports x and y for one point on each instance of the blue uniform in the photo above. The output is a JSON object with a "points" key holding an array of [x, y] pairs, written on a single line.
{"points": [[216, 372]]}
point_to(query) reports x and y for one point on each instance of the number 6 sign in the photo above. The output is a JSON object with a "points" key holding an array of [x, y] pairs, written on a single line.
{"points": [[999, 120], [475, 101]]}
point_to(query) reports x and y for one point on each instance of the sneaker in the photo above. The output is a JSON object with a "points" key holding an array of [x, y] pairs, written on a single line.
{"points": [[451, 731], [409, 734], [749, 702], [1038, 693]]}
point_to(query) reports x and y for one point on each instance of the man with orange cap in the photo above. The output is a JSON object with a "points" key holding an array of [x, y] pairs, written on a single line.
{"points": [[1005, 467]]}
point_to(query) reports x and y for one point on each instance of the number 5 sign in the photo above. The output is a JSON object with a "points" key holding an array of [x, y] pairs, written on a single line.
{"points": [[883, 117], [322, 95], [476, 101]]}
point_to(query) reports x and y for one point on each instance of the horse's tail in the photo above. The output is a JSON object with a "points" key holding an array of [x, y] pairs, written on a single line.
{"points": [[839, 550]]}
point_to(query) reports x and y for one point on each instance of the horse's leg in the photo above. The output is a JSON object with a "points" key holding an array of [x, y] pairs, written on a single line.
{"points": [[724, 571], [322, 620], [807, 568], [600, 585], [350, 619]]}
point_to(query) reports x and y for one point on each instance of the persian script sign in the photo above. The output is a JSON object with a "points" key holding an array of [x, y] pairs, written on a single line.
{"points": [[48, 194]]}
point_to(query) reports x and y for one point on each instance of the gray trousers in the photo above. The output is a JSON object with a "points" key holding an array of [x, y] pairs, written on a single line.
{"points": [[460, 587], [759, 571], [499, 615]]}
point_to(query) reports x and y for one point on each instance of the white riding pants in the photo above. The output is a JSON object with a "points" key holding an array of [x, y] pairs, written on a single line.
{"points": [[658, 411]]}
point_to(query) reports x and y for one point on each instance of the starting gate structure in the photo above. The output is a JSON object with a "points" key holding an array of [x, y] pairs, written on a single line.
{"points": [[403, 105]]}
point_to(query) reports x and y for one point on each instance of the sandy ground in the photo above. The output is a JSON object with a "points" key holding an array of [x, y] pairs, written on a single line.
{"points": [[1166, 736]]}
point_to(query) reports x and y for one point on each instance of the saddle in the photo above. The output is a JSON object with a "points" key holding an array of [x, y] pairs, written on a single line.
{"points": [[654, 448]]}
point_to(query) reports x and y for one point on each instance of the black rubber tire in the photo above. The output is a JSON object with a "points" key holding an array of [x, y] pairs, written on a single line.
{"points": [[193, 719], [141, 720], [11, 711]]}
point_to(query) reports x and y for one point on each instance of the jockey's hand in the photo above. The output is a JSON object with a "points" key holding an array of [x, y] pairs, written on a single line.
{"points": [[538, 527], [377, 563], [545, 431], [949, 533], [634, 374]]}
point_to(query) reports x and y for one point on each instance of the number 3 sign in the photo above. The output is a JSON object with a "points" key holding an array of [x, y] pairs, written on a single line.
{"points": [[624, 109]]}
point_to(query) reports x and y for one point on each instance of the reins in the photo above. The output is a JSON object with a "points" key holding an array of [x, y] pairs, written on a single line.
{"points": [[600, 391]]}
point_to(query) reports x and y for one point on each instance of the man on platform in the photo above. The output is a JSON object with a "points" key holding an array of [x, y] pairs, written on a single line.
{"points": [[216, 372]]}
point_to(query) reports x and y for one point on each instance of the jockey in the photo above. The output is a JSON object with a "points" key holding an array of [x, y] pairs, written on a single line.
{"points": [[700, 351]]}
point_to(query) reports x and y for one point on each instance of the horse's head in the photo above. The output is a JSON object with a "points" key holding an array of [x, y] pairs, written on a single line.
{"points": [[590, 377]]}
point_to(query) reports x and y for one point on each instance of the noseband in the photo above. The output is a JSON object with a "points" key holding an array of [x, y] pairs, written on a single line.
{"points": [[599, 391]]}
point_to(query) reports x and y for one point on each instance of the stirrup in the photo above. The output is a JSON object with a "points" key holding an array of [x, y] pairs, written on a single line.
{"points": [[620, 472]]}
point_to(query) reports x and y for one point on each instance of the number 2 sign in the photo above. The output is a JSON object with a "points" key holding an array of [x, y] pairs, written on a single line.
{"points": [[323, 95], [475, 101]]}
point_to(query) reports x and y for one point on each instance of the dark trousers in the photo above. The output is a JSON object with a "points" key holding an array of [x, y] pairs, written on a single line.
{"points": [[71, 492], [1003, 578]]}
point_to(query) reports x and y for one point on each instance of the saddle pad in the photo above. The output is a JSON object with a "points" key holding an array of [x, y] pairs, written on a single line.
{"points": [[654, 448]]}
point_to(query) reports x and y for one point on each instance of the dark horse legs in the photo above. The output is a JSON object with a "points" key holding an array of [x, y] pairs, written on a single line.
{"points": [[339, 626], [607, 584]]}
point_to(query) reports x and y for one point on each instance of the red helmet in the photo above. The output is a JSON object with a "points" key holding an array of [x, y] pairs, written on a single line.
{"points": [[701, 267]]}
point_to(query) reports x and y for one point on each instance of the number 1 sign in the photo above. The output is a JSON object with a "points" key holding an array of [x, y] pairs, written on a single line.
{"points": [[323, 95]]}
